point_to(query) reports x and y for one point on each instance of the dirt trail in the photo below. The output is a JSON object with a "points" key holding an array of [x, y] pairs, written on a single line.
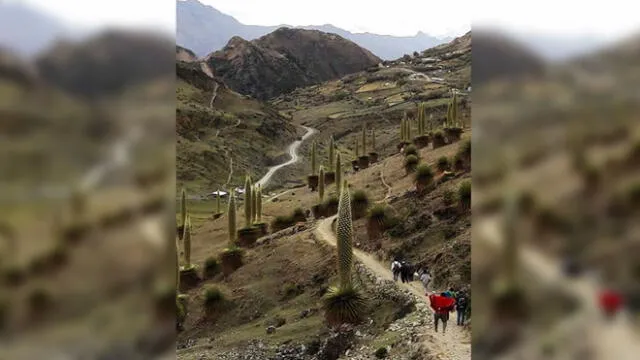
{"points": [[616, 340], [293, 152], [454, 345]]}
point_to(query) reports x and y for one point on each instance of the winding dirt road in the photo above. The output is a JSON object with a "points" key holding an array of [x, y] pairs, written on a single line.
{"points": [[454, 345], [293, 153]]}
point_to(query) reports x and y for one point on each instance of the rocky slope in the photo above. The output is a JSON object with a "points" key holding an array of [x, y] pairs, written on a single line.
{"points": [[215, 131], [287, 59]]}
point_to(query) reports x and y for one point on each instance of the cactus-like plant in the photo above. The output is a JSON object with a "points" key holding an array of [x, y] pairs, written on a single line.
{"points": [[420, 119], [183, 208], [357, 149], [402, 130], [373, 140], [364, 140], [454, 110], [254, 204], [313, 158], [231, 215], [247, 202], [331, 154], [321, 184], [344, 232], [408, 129], [344, 303], [338, 172], [187, 241], [259, 205]]}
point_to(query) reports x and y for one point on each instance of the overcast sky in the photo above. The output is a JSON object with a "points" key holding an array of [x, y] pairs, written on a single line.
{"points": [[154, 14], [390, 17], [609, 19]]}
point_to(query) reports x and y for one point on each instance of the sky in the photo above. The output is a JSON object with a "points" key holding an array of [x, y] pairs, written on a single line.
{"points": [[609, 19], [387, 17], [147, 14]]}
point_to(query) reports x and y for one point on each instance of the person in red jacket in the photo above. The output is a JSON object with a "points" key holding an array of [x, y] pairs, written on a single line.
{"points": [[610, 302], [441, 306]]}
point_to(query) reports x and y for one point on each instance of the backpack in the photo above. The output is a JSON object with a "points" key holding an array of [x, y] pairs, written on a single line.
{"points": [[461, 303]]}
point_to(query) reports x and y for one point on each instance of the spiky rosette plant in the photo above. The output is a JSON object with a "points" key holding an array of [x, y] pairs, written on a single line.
{"points": [[187, 242], [321, 184], [363, 161], [338, 172], [509, 295], [248, 202], [188, 274], [312, 180], [231, 257], [424, 178], [248, 235], [344, 303], [373, 155], [421, 140]]}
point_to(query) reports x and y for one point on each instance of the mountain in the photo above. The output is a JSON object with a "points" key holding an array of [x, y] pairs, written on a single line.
{"points": [[107, 63], [27, 40], [287, 59], [496, 55], [222, 135], [204, 29], [559, 47]]}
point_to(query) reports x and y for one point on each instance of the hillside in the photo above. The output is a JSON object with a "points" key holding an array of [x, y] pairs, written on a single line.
{"points": [[498, 56], [204, 29], [287, 59], [83, 198], [271, 307], [221, 139], [568, 143]]}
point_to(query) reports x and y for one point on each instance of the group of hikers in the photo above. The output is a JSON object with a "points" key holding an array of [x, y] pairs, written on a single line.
{"points": [[441, 303]]}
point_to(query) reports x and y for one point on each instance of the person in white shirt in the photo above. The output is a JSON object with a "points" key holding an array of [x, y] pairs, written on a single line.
{"points": [[425, 278], [396, 268]]}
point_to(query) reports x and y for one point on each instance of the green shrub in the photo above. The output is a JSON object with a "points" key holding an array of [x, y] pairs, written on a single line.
{"points": [[410, 150], [381, 353], [443, 164], [298, 215], [464, 194], [344, 305], [424, 176], [448, 197], [378, 212], [211, 267], [281, 222], [360, 197], [212, 297], [411, 163]]}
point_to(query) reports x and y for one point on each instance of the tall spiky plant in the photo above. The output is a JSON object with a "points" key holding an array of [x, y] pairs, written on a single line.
{"points": [[373, 140], [344, 303], [420, 118], [186, 237], [364, 140], [247, 202], [408, 129], [254, 203], [321, 184], [454, 109], [259, 204], [357, 149], [313, 159], [231, 215], [344, 232], [183, 208], [403, 129], [332, 154], [338, 172], [177, 268]]}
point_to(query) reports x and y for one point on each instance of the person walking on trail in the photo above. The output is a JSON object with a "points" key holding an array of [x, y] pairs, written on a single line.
{"points": [[461, 307], [449, 293], [610, 302], [441, 306], [396, 269], [425, 278], [403, 271]]}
